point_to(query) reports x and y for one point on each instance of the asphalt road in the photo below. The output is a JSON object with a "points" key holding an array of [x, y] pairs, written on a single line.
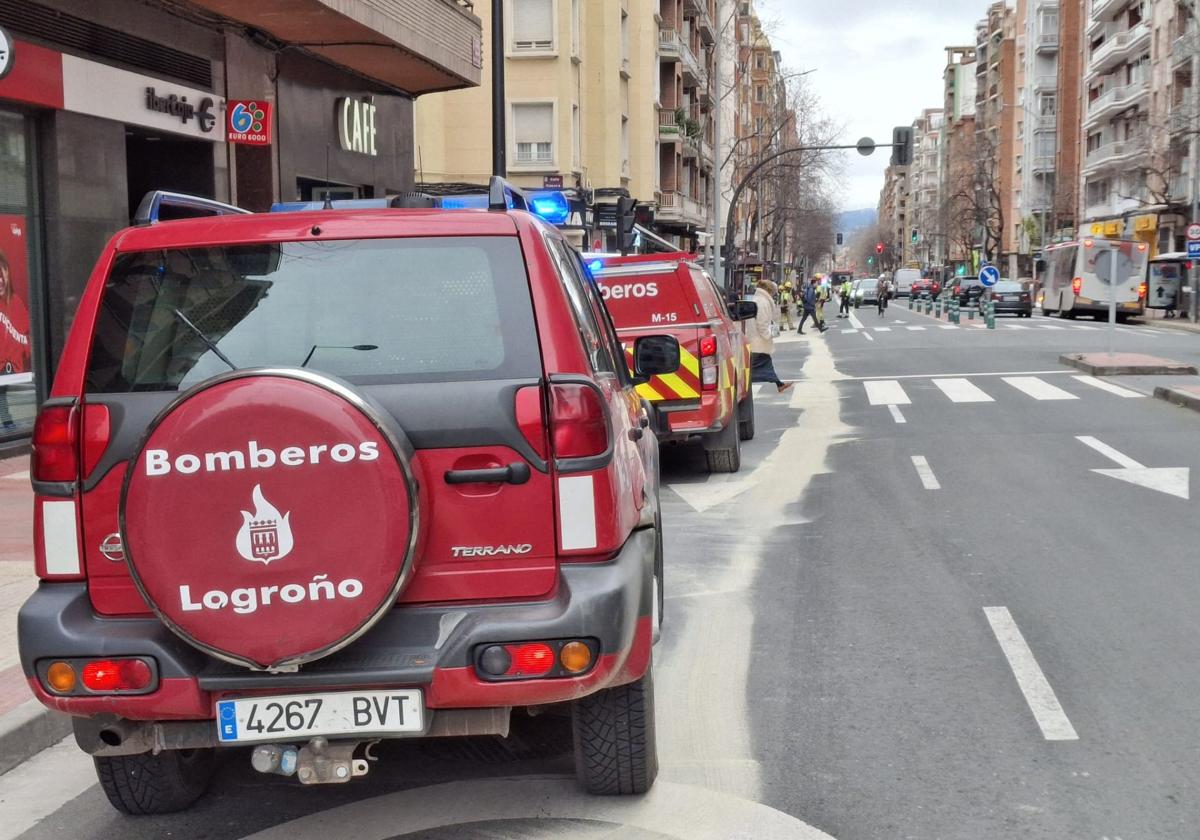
{"points": [[917, 612]]}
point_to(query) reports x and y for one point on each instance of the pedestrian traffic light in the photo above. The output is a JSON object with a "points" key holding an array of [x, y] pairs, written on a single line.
{"points": [[878, 247], [626, 219], [902, 145], [870, 261], [916, 236]]}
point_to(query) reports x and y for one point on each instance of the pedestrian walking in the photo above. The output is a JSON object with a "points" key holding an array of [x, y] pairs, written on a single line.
{"points": [[811, 297], [762, 342], [786, 302]]}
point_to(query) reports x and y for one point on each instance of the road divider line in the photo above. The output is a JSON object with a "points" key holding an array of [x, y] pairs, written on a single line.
{"points": [[1107, 386], [915, 329], [1047, 711], [896, 415], [849, 332], [1038, 389], [868, 336], [928, 480], [962, 391], [882, 329], [947, 326], [854, 322], [886, 392]]}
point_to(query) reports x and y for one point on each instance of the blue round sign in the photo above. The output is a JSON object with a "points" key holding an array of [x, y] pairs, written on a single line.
{"points": [[989, 275]]}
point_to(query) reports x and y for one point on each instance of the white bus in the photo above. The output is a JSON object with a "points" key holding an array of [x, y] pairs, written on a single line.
{"points": [[1080, 277]]}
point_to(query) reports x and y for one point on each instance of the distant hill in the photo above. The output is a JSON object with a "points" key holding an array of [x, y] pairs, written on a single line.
{"points": [[853, 220]]}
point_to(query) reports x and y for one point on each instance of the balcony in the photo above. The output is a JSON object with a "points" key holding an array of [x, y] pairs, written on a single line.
{"points": [[694, 73], [1114, 153], [1041, 164], [1045, 82], [680, 209], [1184, 48], [668, 127], [1100, 10], [1120, 47], [1047, 42], [1044, 123], [1180, 187], [698, 11], [670, 45], [1116, 99]]}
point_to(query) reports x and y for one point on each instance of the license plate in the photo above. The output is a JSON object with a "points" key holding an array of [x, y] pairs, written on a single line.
{"points": [[305, 715], [1010, 297]]}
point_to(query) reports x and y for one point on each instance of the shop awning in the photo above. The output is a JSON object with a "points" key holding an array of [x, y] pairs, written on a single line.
{"points": [[420, 46]]}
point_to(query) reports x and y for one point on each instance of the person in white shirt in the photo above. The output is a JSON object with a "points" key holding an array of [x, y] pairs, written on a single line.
{"points": [[762, 343]]}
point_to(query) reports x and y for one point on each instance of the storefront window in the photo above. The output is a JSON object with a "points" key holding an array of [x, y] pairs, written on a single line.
{"points": [[18, 402]]}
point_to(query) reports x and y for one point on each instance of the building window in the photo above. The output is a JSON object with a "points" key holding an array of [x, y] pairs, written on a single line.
{"points": [[625, 146], [760, 61], [760, 93], [532, 25], [18, 273], [575, 27], [533, 132]]}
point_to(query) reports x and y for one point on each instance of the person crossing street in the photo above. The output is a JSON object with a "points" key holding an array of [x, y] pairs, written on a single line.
{"points": [[762, 343], [812, 300]]}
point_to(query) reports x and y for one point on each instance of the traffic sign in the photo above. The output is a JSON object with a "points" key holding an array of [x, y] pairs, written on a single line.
{"points": [[1193, 231], [989, 275], [1194, 249]]}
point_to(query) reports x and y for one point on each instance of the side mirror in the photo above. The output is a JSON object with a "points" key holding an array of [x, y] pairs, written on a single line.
{"points": [[654, 355], [744, 310]]}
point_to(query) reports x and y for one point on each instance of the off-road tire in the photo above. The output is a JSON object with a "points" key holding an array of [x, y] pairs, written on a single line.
{"points": [[615, 750], [155, 784], [746, 417], [726, 454]]}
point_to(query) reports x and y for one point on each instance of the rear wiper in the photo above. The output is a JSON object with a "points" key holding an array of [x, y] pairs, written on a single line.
{"points": [[208, 341]]}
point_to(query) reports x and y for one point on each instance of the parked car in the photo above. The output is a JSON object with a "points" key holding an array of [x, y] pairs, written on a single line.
{"points": [[925, 286], [708, 400], [1008, 297], [865, 291], [309, 480], [967, 290]]}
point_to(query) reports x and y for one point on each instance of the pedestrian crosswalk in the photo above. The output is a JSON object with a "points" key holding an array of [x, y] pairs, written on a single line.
{"points": [[1001, 327], [987, 389]]}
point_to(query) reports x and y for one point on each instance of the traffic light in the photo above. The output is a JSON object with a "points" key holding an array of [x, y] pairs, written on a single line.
{"points": [[902, 145], [878, 247], [626, 219], [916, 236], [839, 239], [870, 261]]}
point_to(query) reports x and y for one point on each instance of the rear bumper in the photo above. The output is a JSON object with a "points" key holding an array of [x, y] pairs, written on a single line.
{"points": [[677, 421], [430, 648]]}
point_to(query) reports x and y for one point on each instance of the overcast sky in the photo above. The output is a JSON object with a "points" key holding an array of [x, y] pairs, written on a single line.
{"points": [[877, 65]]}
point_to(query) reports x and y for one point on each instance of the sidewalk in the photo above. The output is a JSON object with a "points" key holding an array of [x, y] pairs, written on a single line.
{"points": [[1153, 318], [26, 727]]}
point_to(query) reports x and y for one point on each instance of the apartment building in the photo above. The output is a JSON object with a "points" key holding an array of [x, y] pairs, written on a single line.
{"points": [[955, 183], [894, 218], [1175, 139], [926, 240], [1039, 104], [685, 118], [582, 83], [1065, 200]]}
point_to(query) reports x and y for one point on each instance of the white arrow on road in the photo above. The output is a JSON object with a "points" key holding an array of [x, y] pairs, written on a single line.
{"points": [[1174, 481]]}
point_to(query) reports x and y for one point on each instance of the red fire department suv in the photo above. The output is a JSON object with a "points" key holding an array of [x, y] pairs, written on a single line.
{"points": [[307, 480], [709, 398]]}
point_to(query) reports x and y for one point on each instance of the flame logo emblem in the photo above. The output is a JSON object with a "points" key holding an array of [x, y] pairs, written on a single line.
{"points": [[266, 534]]}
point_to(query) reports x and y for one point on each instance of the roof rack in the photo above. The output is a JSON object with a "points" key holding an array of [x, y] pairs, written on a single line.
{"points": [[150, 208], [500, 192]]}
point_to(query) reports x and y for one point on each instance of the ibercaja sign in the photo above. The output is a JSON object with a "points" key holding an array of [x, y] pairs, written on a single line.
{"points": [[270, 518], [248, 121]]}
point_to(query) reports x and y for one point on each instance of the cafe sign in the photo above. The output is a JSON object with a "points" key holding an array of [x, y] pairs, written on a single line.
{"points": [[356, 125]]}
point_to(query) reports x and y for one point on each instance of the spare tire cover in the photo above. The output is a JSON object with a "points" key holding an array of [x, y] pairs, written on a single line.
{"points": [[270, 517]]}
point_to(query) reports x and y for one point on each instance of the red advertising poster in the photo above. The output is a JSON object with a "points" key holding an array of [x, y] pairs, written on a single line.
{"points": [[248, 121], [15, 342]]}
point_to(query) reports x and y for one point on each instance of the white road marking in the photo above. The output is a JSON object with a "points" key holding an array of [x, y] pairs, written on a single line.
{"points": [[937, 375], [1174, 481], [1050, 327], [928, 480], [18, 476], [1016, 327], [882, 329], [868, 336], [914, 329], [896, 415], [948, 326], [962, 391], [854, 322], [1047, 711], [1038, 389], [34, 790], [1107, 386], [886, 392], [849, 332]]}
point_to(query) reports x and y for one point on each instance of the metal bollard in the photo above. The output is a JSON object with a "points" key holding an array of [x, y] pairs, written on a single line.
{"points": [[910, 301], [970, 314]]}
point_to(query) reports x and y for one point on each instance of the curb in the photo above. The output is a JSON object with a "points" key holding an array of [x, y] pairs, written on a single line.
{"points": [[1166, 368], [1175, 396], [27, 730]]}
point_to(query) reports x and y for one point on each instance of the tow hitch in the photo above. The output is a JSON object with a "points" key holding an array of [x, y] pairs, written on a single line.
{"points": [[317, 763]]}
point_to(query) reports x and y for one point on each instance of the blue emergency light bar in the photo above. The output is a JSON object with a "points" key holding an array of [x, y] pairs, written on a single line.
{"points": [[551, 205], [337, 204]]}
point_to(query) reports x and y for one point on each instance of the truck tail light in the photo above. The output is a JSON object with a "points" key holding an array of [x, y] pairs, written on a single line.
{"points": [[1076, 285], [117, 675], [56, 444], [1141, 291], [579, 421], [535, 660], [708, 363]]}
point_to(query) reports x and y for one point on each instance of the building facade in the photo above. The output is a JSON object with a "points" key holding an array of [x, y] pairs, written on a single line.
{"points": [[926, 239], [102, 103], [956, 177], [1039, 104]]}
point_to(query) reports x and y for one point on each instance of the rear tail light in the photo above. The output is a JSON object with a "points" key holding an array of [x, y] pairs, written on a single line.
{"points": [[578, 420], [708, 363], [1076, 285], [97, 429], [1141, 291], [531, 419], [56, 444], [535, 660], [130, 675]]}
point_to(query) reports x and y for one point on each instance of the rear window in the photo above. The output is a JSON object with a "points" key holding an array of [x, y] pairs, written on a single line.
{"points": [[639, 296], [373, 311]]}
